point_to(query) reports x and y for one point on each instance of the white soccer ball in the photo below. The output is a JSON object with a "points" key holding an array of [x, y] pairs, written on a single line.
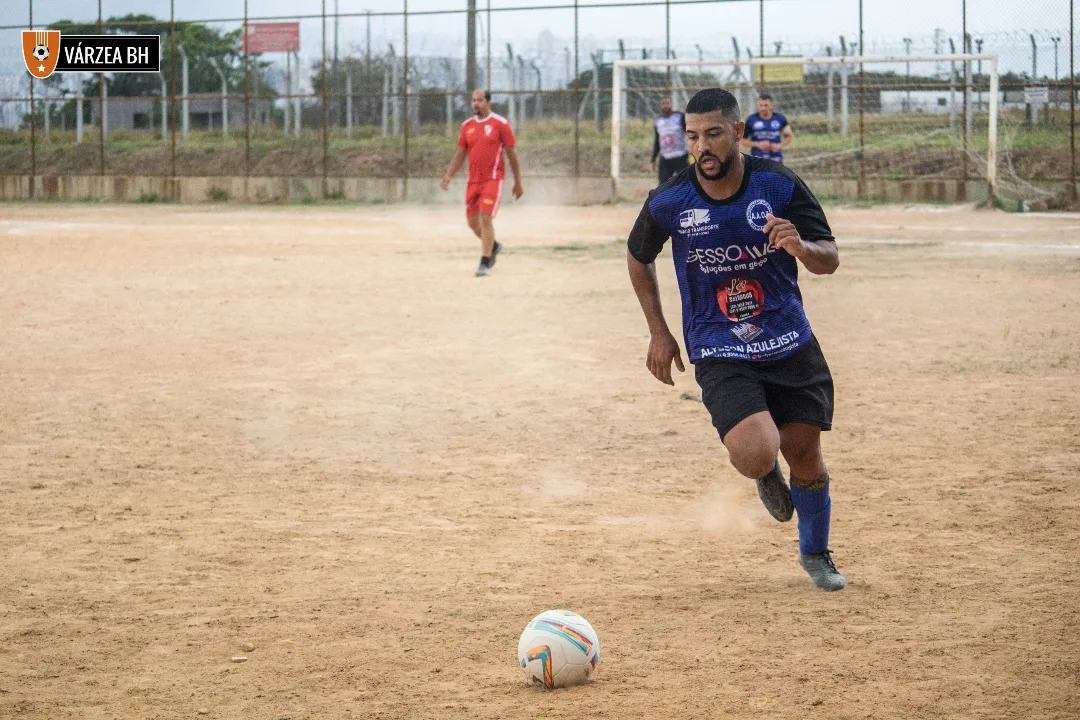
{"points": [[558, 649], [41, 52]]}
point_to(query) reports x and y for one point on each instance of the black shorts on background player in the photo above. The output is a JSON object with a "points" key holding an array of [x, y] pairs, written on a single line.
{"points": [[667, 167]]}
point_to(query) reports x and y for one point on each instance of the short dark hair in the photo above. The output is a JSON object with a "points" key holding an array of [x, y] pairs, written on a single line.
{"points": [[713, 99], [765, 96], [487, 93]]}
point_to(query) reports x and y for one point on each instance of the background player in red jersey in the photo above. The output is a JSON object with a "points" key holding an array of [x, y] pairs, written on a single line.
{"points": [[483, 138]]}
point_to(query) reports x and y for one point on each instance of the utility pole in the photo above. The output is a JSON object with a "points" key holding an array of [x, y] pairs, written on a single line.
{"points": [[1072, 102], [1034, 108], [185, 118], [336, 85], [224, 99], [470, 47], [1055, 40], [907, 72], [761, 28], [1034, 58], [862, 106]]}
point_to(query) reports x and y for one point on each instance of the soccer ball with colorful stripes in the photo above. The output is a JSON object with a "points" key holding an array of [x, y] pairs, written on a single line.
{"points": [[558, 649]]}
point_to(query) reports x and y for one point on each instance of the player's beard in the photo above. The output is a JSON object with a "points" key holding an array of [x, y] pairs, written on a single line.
{"points": [[723, 167]]}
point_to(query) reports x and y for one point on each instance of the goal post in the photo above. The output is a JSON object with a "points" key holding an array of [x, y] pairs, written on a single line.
{"points": [[903, 117]]}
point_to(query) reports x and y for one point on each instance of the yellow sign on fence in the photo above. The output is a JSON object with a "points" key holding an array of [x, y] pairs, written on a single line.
{"points": [[780, 72]]}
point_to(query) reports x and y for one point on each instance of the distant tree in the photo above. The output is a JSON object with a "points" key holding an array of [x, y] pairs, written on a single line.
{"points": [[367, 86], [206, 47]]}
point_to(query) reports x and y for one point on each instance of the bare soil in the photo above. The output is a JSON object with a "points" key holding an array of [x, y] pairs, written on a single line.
{"points": [[311, 438]]}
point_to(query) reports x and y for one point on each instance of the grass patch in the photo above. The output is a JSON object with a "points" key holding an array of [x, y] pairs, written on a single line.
{"points": [[217, 194]]}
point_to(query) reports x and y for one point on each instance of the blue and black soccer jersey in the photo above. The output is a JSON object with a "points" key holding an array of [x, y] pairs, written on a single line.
{"points": [[740, 297], [758, 129]]}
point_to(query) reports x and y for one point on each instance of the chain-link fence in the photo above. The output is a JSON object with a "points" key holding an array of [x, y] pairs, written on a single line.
{"points": [[378, 89]]}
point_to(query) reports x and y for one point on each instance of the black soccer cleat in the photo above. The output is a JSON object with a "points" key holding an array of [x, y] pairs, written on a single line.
{"points": [[775, 494], [822, 570], [495, 253]]}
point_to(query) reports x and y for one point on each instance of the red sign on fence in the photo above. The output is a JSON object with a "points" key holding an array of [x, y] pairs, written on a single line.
{"points": [[272, 37]]}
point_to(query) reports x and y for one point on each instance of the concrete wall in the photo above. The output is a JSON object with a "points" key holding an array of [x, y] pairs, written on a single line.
{"points": [[124, 188], [539, 191]]}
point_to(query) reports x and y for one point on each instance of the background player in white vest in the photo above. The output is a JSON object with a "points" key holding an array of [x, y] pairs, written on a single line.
{"points": [[767, 133], [669, 142], [740, 227]]}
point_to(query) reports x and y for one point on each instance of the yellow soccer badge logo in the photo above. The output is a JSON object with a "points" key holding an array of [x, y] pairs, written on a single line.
{"points": [[41, 51]]}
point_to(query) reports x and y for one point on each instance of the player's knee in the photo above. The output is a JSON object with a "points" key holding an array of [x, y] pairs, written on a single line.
{"points": [[753, 460], [801, 451]]}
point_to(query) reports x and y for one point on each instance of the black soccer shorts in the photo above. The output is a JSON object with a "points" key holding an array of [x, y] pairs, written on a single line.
{"points": [[797, 388]]}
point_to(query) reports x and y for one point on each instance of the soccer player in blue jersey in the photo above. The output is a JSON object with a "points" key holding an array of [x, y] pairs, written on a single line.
{"points": [[739, 228], [767, 133], [669, 141]]}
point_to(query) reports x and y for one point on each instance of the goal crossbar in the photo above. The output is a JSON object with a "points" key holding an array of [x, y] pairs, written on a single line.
{"points": [[620, 66]]}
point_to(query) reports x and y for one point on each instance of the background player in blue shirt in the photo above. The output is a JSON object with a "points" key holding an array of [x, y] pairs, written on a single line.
{"points": [[767, 133], [739, 228]]}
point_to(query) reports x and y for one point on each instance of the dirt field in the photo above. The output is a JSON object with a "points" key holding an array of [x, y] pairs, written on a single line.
{"points": [[310, 437]]}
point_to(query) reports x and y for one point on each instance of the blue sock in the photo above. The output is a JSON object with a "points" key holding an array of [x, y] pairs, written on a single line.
{"points": [[814, 508]]}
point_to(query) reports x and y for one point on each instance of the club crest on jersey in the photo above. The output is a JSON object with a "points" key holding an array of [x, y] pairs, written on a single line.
{"points": [[756, 212], [693, 218], [487, 129]]}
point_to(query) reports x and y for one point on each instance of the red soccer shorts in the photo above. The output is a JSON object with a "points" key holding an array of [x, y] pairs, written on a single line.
{"points": [[483, 197]]}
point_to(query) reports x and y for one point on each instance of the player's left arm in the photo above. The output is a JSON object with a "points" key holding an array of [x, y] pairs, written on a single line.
{"points": [[786, 135], [511, 155], [745, 142], [803, 232]]}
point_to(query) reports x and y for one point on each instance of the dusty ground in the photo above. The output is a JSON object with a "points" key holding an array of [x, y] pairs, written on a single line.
{"points": [[310, 437]]}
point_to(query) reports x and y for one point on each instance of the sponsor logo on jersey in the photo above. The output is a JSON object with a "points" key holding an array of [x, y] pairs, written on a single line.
{"points": [[753, 350], [693, 218], [756, 212], [746, 331], [721, 258]]}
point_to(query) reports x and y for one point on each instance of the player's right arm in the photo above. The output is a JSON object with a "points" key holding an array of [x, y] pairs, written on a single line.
{"points": [[645, 242], [655, 145], [455, 165]]}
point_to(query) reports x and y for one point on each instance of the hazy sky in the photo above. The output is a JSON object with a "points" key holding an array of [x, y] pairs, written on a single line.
{"points": [[803, 26]]}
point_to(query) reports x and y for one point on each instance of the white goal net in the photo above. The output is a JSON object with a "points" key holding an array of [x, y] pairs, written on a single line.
{"points": [[876, 127]]}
